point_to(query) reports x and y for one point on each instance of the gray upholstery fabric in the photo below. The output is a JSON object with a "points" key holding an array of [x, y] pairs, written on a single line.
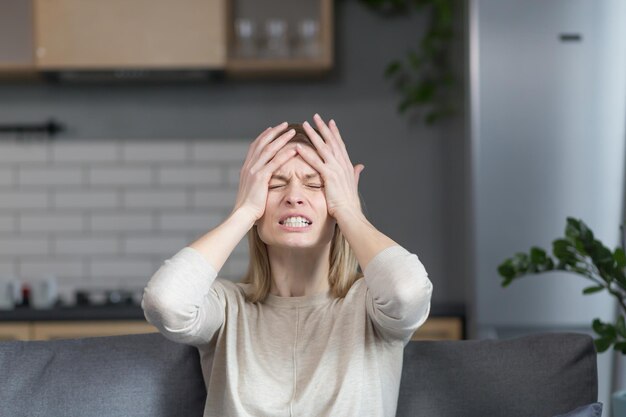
{"points": [[147, 375], [133, 375], [540, 375], [589, 410]]}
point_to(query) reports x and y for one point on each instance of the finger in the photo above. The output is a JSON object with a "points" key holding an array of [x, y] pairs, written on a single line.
{"points": [[357, 173], [255, 142], [327, 134], [281, 157], [270, 150], [312, 158], [322, 148], [267, 137], [333, 127]]}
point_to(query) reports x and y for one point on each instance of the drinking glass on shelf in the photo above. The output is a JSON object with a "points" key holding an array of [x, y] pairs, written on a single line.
{"points": [[277, 43], [245, 38], [308, 45]]}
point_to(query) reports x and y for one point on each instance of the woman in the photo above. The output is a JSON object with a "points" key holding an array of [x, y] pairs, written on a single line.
{"points": [[304, 334]]}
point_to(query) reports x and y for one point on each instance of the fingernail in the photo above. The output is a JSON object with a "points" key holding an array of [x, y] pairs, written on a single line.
{"points": [[305, 123], [317, 115], [333, 122]]}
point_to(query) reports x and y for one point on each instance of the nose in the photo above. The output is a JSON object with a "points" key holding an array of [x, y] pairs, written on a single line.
{"points": [[293, 196]]}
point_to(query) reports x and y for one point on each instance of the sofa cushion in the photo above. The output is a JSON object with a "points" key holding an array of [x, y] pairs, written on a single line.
{"points": [[133, 375], [589, 410], [540, 375]]}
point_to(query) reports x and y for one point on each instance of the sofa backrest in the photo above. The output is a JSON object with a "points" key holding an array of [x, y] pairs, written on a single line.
{"points": [[148, 375], [132, 375], [540, 375]]}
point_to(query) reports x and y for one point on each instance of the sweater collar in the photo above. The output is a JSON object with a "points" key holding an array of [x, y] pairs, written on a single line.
{"points": [[303, 301]]}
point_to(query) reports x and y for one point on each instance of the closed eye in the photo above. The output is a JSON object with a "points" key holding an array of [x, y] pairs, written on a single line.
{"points": [[271, 187]]}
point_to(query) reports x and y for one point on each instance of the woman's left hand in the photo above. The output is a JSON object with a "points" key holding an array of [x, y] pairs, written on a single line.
{"points": [[341, 178]]}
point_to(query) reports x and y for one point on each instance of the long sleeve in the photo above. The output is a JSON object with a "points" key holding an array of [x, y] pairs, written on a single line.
{"points": [[399, 293], [181, 301]]}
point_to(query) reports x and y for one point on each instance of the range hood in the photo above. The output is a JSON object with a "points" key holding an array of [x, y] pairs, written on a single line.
{"points": [[133, 75]]}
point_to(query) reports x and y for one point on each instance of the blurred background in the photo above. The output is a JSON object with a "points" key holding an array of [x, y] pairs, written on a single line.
{"points": [[482, 124]]}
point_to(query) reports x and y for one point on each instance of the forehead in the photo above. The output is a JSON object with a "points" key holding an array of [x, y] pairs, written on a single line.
{"points": [[295, 166]]}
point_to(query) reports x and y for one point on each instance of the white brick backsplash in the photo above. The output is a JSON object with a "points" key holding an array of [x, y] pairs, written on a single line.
{"points": [[23, 199], [32, 268], [120, 176], [154, 244], [106, 214], [86, 245], [85, 199], [232, 175], [18, 245], [120, 268], [200, 222], [85, 152], [50, 176], [217, 151], [220, 199], [15, 153], [121, 222], [154, 199], [154, 152], [51, 222], [8, 269], [242, 247], [7, 223], [189, 176], [235, 268], [7, 176]]}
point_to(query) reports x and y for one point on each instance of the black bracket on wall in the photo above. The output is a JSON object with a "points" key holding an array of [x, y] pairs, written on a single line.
{"points": [[48, 129]]}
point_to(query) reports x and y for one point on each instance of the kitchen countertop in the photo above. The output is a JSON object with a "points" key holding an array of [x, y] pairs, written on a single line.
{"points": [[134, 312], [75, 313]]}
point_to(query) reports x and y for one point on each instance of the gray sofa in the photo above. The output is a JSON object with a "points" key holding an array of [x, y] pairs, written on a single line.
{"points": [[147, 375]]}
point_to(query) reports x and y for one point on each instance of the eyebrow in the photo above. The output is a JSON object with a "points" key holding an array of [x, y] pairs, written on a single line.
{"points": [[306, 177]]}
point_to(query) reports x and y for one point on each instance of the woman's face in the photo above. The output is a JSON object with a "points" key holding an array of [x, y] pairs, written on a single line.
{"points": [[296, 188]]}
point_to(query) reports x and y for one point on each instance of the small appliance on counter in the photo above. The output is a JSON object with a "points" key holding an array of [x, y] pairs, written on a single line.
{"points": [[108, 297]]}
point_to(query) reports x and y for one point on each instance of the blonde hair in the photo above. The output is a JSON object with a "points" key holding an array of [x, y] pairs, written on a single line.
{"points": [[344, 267]]}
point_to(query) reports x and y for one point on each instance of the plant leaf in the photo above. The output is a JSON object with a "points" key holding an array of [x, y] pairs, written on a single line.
{"points": [[602, 344], [537, 255], [620, 346], [620, 258], [621, 327], [591, 290], [392, 68]]}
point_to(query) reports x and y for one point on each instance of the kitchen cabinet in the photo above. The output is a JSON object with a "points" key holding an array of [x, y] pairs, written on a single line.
{"points": [[48, 330], [72, 330], [320, 17], [79, 36], [137, 34], [15, 331], [440, 328], [16, 37]]}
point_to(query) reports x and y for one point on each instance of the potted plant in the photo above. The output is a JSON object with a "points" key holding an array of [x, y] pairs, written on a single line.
{"points": [[579, 252]]}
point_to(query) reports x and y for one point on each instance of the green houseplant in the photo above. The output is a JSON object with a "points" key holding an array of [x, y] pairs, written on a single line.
{"points": [[579, 252], [424, 77]]}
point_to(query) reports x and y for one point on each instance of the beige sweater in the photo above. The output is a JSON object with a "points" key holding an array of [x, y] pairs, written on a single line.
{"points": [[294, 356]]}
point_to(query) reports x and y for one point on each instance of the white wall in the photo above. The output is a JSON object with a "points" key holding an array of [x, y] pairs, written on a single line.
{"points": [[106, 214], [547, 120]]}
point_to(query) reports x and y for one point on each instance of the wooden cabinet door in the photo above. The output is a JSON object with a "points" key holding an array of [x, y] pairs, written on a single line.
{"points": [[440, 328], [80, 329], [134, 34], [15, 331], [16, 35]]}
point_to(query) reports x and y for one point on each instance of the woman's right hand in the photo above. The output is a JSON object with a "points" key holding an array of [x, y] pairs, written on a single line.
{"points": [[265, 155]]}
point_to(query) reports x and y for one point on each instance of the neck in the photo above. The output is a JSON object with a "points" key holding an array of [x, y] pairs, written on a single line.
{"points": [[298, 272]]}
